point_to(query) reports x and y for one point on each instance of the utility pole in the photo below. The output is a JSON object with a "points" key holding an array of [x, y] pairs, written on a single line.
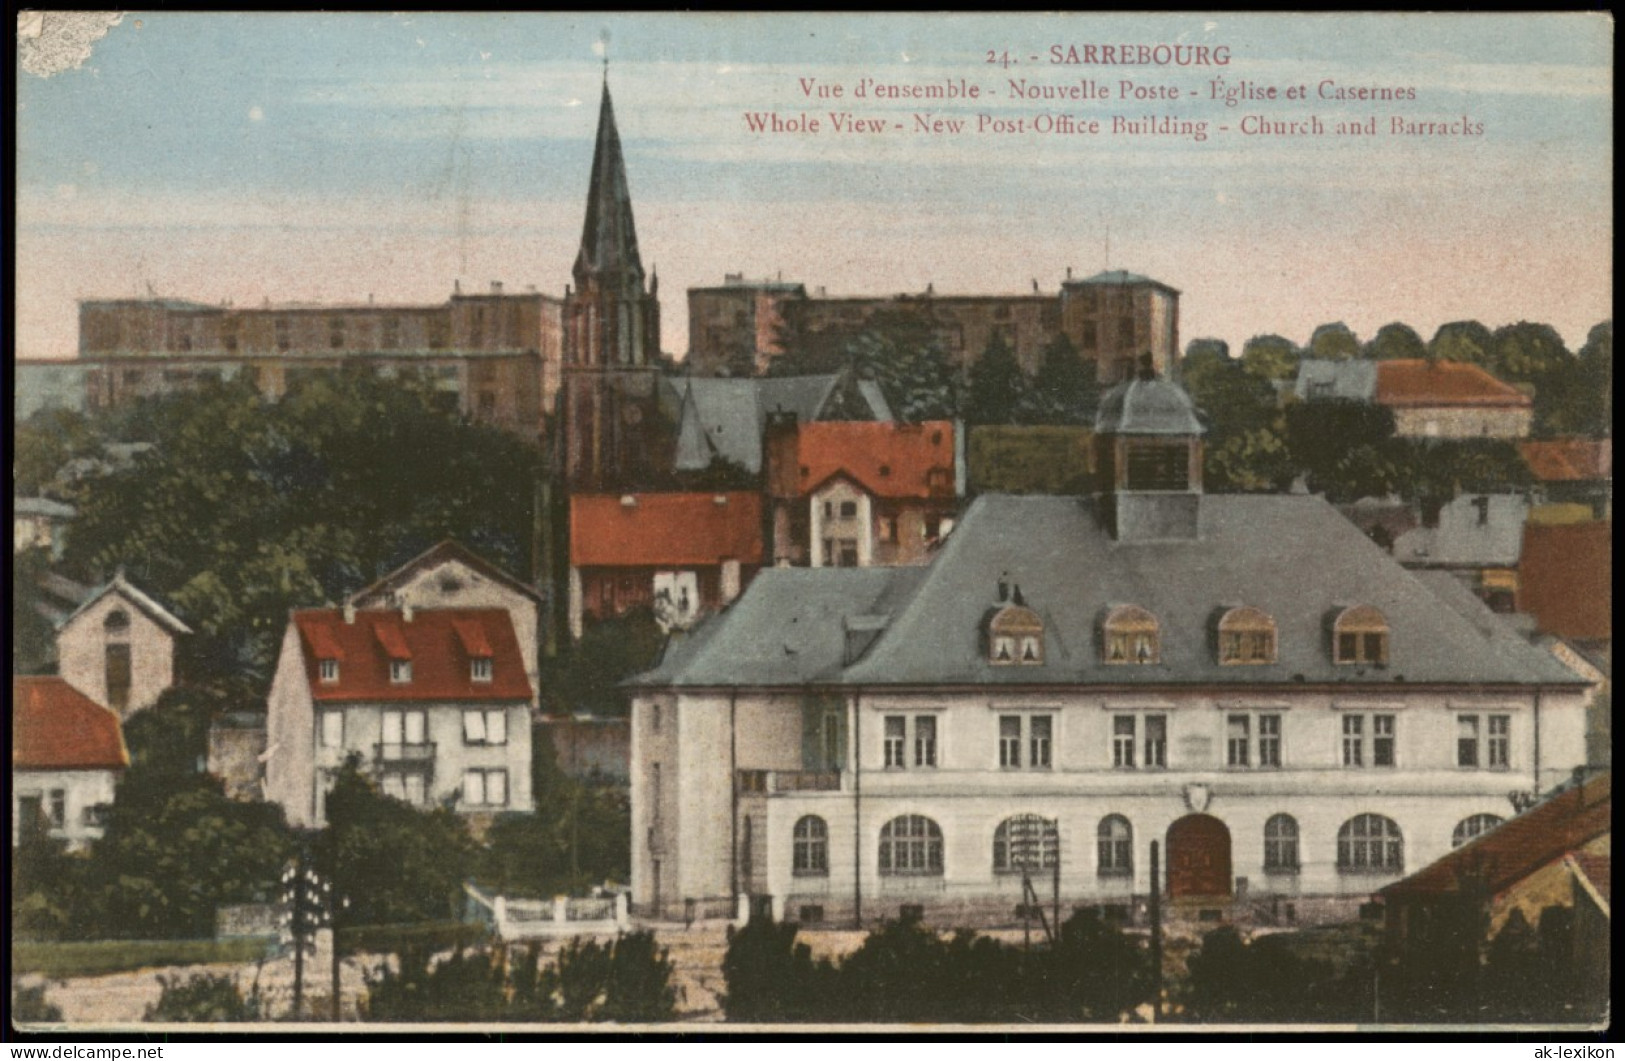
{"points": [[1156, 933]]}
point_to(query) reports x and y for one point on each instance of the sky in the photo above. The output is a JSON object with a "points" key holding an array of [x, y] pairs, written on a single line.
{"points": [[331, 158]]}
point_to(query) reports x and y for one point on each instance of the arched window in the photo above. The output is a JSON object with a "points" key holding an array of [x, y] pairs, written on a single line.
{"points": [[911, 846], [1246, 635], [116, 635], [1116, 840], [1015, 635], [1026, 842], [1471, 828], [1281, 844], [1370, 843], [810, 847], [1132, 636], [1360, 635]]}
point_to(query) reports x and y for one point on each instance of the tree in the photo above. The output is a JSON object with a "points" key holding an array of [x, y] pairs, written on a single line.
{"points": [[33, 637], [389, 861], [1595, 400], [172, 736], [1527, 353], [342, 480], [997, 385], [610, 651], [1395, 341], [771, 978], [1065, 391], [1333, 342], [1342, 447], [1270, 357], [1245, 449], [1467, 341], [176, 848]]}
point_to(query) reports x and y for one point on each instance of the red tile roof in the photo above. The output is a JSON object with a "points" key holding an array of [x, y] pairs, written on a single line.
{"points": [[1567, 460], [433, 641], [1540, 836], [886, 459], [665, 530], [56, 727], [1566, 577], [1418, 382]]}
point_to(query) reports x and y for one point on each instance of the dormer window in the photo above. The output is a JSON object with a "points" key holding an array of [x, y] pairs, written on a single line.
{"points": [[1360, 635], [330, 670], [1132, 636], [479, 669], [1246, 635], [1015, 636], [400, 671]]}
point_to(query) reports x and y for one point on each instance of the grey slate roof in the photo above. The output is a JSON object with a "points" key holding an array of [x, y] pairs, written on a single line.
{"points": [[122, 586], [1351, 380], [609, 239], [1460, 540], [1148, 407], [1295, 558], [719, 416]]}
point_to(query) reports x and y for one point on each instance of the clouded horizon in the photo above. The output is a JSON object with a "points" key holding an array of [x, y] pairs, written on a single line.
{"points": [[329, 158]]}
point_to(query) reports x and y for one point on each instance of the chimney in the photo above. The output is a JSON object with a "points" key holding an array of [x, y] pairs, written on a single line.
{"points": [[628, 501], [1069, 272], [1015, 596], [496, 287], [349, 613], [456, 288], [1004, 587], [406, 611]]}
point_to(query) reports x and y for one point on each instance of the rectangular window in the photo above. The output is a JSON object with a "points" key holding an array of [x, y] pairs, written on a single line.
{"points": [[405, 727], [896, 739], [400, 671], [1039, 740], [485, 788], [1156, 741], [1467, 740], [1353, 740], [330, 670], [1500, 742], [849, 509], [1238, 729], [1123, 741], [480, 669], [1269, 740], [886, 529], [1382, 740], [848, 552], [59, 808], [1010, 740], [925, 740], [485, 727], [1368, 740], [332, 729]]}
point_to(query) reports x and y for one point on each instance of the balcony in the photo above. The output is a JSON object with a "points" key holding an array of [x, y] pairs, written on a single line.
{"points": [[778, 781], [404, 756]]}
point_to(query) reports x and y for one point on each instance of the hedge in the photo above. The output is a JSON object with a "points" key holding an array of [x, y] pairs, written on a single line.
{"points": [[100, 957], [426, 935]]}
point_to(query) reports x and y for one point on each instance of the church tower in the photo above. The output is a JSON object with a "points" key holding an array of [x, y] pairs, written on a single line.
{"points": [[611, 335]]}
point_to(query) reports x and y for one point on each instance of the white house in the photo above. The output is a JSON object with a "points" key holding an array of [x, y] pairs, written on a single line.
{"points": [[118, 647], [1246, 681], [67, 754], [435, 703]]}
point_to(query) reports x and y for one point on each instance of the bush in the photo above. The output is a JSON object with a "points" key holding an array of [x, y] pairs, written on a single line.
{"points": [[627, 981], [772, 978], [28, 1005], [204, 998]]}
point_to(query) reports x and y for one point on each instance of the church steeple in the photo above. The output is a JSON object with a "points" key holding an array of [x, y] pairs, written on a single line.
{"points": [[609, 239]]}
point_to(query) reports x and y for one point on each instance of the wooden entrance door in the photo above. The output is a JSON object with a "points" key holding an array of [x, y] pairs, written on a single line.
{"points": [[1198, 857]]}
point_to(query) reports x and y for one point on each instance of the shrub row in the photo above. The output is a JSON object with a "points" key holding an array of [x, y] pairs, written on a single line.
{"points": [[99, 957]]}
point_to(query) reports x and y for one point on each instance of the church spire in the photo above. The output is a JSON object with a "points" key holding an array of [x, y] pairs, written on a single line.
{"points": [[609, 239]]}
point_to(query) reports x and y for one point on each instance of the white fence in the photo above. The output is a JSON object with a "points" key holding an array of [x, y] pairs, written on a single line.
{"points": [[514, 919]]}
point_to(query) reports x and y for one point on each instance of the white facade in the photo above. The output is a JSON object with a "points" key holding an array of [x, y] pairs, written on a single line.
{"points": [[841, 522], [720, 783], [70, 800], [116, 651]]}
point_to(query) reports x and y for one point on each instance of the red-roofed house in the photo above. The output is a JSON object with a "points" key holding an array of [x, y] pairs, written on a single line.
{"points": [[683, 554], [67, 753], [452, 576], [1451, 399], [1515, 865], [436, 702], [1575, 473], [1565, 579], [849, 494]]}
